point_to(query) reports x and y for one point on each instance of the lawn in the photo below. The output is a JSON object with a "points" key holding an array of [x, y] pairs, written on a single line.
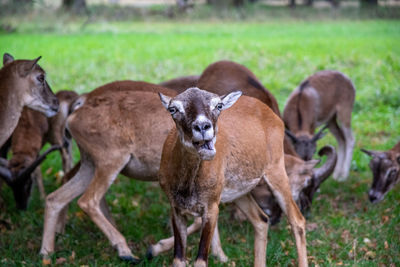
{"points": [[343, 227]]}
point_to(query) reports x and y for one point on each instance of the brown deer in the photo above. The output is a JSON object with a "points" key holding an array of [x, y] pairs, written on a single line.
{"points": [[199, 169], [145, 131], [324, 98], [32, 132], [180, 84], [385, 166], [22, 83], [304, 182]]}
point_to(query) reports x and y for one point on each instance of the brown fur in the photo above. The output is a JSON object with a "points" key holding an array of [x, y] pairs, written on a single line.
{"points": [[19, 87], [180, 84], [385, 167], [242, 134], [327, 97]]}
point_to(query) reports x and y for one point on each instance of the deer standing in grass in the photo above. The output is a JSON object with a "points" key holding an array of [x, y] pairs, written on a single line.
{"points": [[325, 98], [200, 168], [33, 131], [385, 166]]}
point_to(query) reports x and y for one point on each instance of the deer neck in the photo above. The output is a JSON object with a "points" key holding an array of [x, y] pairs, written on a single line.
{"points": [[11, 105]]}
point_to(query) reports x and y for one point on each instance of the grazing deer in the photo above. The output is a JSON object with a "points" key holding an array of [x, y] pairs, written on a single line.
{"points": [[199, 169], [128, 140], [180, 84], [327, 97], [22, 83], [385, 166], [304, 181], [32, 132]]}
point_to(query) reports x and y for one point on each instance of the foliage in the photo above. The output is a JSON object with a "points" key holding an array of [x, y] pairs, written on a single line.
{"points": [[344, 228]]}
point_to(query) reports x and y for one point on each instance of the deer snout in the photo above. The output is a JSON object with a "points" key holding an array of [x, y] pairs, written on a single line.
{"points": [[202, 129], [375, 196]]}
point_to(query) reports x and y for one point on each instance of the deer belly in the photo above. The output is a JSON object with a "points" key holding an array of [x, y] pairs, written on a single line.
{"points": [[235, 188], [144, 171]]}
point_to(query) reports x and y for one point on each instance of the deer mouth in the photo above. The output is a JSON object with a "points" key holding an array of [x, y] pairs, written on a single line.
{"points": [[204, 145]]}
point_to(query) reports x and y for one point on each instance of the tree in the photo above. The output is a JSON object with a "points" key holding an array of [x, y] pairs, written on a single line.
{"points": [[76, 6]]}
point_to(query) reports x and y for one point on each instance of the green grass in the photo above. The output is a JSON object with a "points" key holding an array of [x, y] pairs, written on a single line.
{"points": [[281, 55]]}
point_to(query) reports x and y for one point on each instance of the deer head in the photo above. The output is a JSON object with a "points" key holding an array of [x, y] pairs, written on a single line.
{"points": [[306, 145], [385, 168], [195, 113], [30, 78]]}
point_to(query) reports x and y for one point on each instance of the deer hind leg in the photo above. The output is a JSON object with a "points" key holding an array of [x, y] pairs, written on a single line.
{"points": [[62, 218], [278, 182], [168, 243], [339, 135], [90, 202], [37, 174], [259, 220], [56, 201], [66, 156]]}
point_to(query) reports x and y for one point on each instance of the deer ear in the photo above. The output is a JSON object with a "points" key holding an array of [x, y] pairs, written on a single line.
{"points": [[368, 152], [28, 67], [230, 99], [7, 58], [165, 100], [291, 136]]}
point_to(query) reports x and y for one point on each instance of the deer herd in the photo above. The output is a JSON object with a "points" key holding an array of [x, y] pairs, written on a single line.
{"points": [[209, 139]]}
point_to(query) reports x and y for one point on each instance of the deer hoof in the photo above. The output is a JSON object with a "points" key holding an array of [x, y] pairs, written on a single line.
{"points": [[130, 259], [149, 253]]}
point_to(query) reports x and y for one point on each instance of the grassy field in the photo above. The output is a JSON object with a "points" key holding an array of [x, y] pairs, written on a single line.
{"points": [[343, 227]]}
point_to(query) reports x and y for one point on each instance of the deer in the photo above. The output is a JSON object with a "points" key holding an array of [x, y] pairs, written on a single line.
{"points": [[385, 167], [22, 83], [324, 98], [203, 164], [147, 127], [182, 83], [32, 132], [304, 181]]}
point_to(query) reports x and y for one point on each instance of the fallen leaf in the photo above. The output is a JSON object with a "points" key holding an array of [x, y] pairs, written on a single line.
{"points": [[311, 226], [61, 260], [46, 261], [345, 236], [72, 257], [386, 245], [385, 219], [49, 170]]}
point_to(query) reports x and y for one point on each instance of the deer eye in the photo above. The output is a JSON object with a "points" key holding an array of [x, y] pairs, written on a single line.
{"points": [[172, 110], [220, 106], [40, 78]]}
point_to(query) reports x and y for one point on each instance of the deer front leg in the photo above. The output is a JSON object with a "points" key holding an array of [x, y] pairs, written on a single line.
{"points": [[209, 221], [216, 248], [278, 181], [180, 237], [168, 243]]}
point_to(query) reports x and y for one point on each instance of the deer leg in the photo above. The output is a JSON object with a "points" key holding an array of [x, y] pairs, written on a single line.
{"points": [[208, 225], [106, 211], [168, 243], [337, 132], [62, 218], [278, 181], [216, 248], [56, 201], [349, 140], [104, 176], [259, 220], [180, 237], [37, 174], [66, 155]]}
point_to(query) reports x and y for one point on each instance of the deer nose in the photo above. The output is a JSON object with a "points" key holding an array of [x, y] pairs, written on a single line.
{"points": [[372, 198], [202, 127]]}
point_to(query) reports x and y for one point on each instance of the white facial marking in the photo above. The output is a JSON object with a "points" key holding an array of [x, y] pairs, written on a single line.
{"points": [[179, 105], [208, 134], [214, 102]]}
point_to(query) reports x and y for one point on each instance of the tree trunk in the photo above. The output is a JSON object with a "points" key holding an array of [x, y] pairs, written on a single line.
{"points": [[369, 3], [76, 6]]}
